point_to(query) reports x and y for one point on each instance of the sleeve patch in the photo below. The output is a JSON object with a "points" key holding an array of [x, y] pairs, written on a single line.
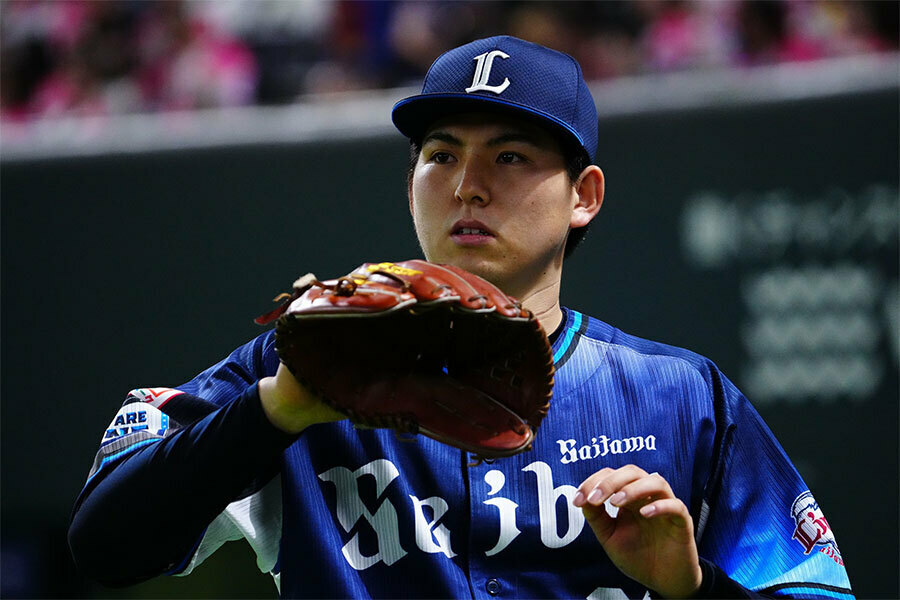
{"points": [[153, 396], [811, 529], [134, 417]]}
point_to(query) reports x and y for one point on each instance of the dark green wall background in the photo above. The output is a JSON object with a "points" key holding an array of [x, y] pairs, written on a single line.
{"points": [[141, 270]]}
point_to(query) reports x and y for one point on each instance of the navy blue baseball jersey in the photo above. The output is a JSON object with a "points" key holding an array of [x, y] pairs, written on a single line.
{"points": [[340, 512]]}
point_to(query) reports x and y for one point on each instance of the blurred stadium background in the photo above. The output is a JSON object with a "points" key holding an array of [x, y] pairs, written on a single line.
{"points": [[167, 167]]}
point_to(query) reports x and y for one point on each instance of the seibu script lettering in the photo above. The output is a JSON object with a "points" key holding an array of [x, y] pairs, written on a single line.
{"points": [[599, 447], [431, 534]]}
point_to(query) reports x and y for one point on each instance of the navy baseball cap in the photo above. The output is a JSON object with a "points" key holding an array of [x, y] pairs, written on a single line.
{"points": [[504, 73]]}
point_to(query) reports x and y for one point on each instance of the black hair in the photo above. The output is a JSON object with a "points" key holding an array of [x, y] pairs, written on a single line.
{"points": [[576, 161]]}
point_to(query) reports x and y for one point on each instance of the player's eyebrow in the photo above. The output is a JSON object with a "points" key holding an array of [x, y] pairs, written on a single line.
{"points": [[516, 136], [504, 138], [442, 136]]}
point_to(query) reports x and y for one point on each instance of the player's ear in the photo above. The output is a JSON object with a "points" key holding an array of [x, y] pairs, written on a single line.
{"points": [[588, 196], [409, 195]]}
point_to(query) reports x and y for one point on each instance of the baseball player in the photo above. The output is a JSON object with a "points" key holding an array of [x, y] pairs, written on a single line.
{"points": [[651, 475]]}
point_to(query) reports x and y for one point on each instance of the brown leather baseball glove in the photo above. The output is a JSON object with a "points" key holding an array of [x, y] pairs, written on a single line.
{"points": [[420, 348]]}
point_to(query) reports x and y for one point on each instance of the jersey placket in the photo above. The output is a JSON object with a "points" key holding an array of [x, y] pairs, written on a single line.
{"points": [[492, 529]]}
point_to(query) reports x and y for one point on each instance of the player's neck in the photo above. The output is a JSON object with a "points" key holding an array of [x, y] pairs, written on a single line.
{"points": [[543, 301]]}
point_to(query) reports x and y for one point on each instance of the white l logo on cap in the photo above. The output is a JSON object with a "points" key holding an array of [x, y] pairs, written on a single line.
{"points": [[483, 73]]}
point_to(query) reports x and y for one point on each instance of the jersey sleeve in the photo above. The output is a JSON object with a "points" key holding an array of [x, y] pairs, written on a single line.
{"points": [[222, 382], [760, 524], [202, 469]]}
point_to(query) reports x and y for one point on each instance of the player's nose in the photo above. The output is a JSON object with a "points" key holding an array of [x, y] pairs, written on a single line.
{"points": [[472, 187]]}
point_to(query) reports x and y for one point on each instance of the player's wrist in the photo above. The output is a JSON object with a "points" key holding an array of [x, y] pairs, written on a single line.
{"points": [[279, 408], [686, 588]]}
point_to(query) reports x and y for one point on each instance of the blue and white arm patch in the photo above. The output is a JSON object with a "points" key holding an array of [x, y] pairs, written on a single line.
{"points": [[133, 417], [157, 396], [138, 423]]}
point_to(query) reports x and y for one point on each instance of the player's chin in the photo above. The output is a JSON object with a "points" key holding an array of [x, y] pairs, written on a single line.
{"points": [[484, 266], [484, 261]]}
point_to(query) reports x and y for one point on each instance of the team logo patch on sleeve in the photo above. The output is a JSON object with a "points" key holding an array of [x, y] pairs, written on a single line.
{"points": [[134, 417], [811, 529]]}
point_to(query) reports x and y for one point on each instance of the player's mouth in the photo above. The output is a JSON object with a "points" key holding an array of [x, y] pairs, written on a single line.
{"points": [[468, 232]]}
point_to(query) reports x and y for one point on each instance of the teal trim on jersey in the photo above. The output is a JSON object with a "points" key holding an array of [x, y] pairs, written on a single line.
{"points": [[815, 592], [570, 333], [119, 454]]}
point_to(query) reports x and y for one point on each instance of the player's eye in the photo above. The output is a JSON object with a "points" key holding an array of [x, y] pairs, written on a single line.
{"points": [[509, 157], [441, 157]]}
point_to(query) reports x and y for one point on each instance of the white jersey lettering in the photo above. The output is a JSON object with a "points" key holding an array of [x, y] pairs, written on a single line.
{"points": [[429, 538], [507, 508], [350, 509], [547, 499]]}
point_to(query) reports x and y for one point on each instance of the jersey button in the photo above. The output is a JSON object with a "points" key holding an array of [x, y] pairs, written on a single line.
{"points": [[492, 586]]}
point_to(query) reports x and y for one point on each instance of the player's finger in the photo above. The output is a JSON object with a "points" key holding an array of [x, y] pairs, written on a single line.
{"points": [[641, 491], [588, 485], [613, 482], [671, 508], [600, 521]]}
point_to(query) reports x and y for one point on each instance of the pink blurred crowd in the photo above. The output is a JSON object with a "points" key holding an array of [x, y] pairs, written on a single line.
{"points": [[90, 57]]}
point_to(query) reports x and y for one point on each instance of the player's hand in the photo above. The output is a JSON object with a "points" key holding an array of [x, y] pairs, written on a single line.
{"points": [[290, 406], [652, 538]]}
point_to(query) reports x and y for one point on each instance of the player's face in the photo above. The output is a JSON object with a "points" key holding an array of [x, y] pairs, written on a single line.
{"points": [[491, 195]]}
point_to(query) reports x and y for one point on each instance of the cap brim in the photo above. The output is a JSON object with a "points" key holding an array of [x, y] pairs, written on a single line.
{"points": [[414, 115]]}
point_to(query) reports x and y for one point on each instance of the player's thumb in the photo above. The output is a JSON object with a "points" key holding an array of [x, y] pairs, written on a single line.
{"points": [[602, 524]]}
